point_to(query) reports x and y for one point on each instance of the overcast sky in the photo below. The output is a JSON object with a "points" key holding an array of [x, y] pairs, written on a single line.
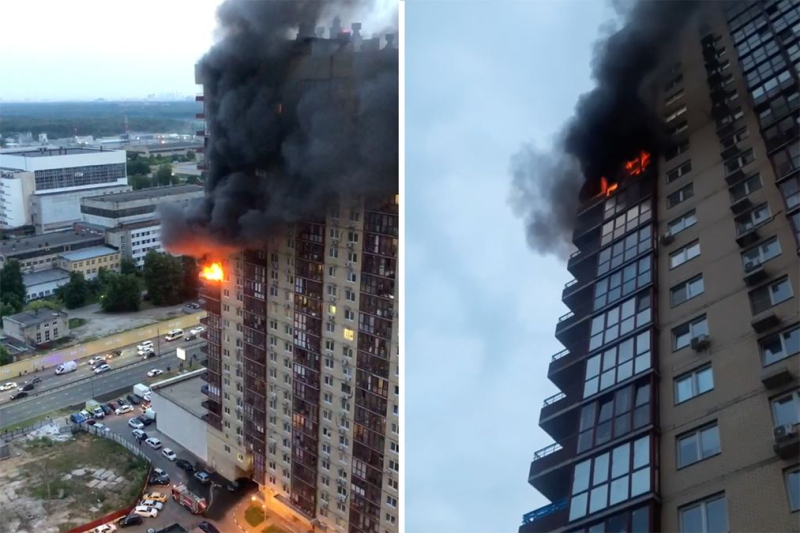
{"points": [[57, 50], [481, 78]]}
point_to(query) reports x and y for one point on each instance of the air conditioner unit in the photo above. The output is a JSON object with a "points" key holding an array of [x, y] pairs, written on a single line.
{"points": [[344, 414], [342, 430], [751, 266], [351, 244], [701, 342], [342, 447], [342, 498], [347, 395], [347, 379], [667, 238], [341, 482], [324, 505], [784, 432], [335, 241], [331, 298], [348, 264]]}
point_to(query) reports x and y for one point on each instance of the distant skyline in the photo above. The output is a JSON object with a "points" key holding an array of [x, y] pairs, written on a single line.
{"points": [[62, 51]]}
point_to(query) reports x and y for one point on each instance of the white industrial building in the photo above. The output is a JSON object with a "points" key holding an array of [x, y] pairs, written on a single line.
{"points": [[16, 189], [61, 178], [44, 283], [178, 405]]}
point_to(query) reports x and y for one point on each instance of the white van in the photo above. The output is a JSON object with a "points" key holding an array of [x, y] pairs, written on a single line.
{"points": [[174, 334]]}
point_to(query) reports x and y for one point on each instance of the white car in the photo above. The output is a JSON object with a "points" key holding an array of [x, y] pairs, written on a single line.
{"points": [[124, 409], [93, 361], [102, 427], [102, 368], [136, 424], [144, 347], [155, 372], [152, 441], [147, 512], [150, 503], [169, 454], [105, 528], [138, 433], [147, 398], [8, 386]]}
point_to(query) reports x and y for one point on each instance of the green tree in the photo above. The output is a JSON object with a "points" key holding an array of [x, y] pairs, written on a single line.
{"points": [[139, 182], [44, 304], [192, 179], [7, 309], [190, 155], [127, 266], [191, 278], [74, 292], [163, 278], [5, 357], [138, 167], [12, 286], [121, 294], [164, 175]]}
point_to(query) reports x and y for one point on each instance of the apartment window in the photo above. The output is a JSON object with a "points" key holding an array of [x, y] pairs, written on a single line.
{"points": [[620, 225], [348, 334], [755, 217], [791, 192], [786, 160], [611, 478], [793, 489], [686, 290], [328, 397], [707, 516], [762, 253], [675, 150], [732, 140], [349, 295], [620, 320], [349, 315], [736, 163], [617, 364], [684, 221], [780, 346], [614, 416], [698, 445], [682, 335], [352, 277], [391, 501], [680, 127], [693, 384], [623, 282], [680, 196], [624, 250], [765, 297], [744, 188], [671, 99], [679, 171], [687, 253], [786, 409], [333, 253]]}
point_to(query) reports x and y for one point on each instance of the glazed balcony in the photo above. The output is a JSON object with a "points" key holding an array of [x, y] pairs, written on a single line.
{"points": [[549, 468], [551, 517]]}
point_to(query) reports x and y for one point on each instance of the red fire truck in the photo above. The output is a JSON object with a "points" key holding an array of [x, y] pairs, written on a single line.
{"points": [[193, 502]]}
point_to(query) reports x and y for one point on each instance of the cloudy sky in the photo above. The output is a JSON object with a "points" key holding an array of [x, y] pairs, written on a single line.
{"points": [[481, 309]]}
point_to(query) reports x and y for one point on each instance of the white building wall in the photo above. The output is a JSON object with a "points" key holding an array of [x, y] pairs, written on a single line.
{"points": [[10, 160], [43, 290], [54, 211], [180, 425], [15, 192]]}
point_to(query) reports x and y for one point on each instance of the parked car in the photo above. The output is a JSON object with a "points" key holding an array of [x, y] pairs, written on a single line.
{"points": [[155, 372], [102, 368], [150, 503], [191, 307], [8, 386], [106, 407], [208, 528], [121, 402], [146, 421], [169, 454], [139, 434], [25, 388], [91, 422], [159, 480], [152, 441], [130, 520], [155, 496], [147, 512], [102, 427], [132, 399], [105, 528], [183, 464], [203, 477], [19, 395], [135, 423], [112, 406], [123, 409]]}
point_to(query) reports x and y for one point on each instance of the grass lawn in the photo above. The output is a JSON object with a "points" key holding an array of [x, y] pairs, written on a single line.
{"points": [[55, 415], [272, 528], [254, 515], [76, 322]]}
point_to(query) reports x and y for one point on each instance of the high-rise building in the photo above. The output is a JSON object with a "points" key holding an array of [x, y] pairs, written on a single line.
{"points": [[680, 400], [302, 352]]}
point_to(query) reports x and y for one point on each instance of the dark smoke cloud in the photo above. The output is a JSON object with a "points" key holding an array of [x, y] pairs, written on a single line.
{"points": [[278, 153], [611, 124]]}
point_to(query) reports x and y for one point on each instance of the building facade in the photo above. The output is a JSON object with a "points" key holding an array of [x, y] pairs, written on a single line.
{"points": [[16, 188], [680, 399], [303, 368], [41, 252], [111, 210], [89, 261], [41, 326]]}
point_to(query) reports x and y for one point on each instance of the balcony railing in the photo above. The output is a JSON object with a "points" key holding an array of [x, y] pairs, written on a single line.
{"points": [[566, 316], [559, 355], [553, 399], [540, 513], [200, 133], [544, 452], [199, 98]]}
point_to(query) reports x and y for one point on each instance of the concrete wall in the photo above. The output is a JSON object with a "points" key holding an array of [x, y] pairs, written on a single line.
{"points": [[112, 342], [62, 161], [180, 425], [54, 211], [15, 193]]}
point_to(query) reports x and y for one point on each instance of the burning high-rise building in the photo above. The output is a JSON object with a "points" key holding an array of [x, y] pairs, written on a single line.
{"points": [[680, 400], [299, 234]]}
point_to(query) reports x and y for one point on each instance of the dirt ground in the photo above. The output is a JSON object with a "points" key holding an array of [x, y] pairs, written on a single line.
{"points": [[99, 324], [50, 487]]}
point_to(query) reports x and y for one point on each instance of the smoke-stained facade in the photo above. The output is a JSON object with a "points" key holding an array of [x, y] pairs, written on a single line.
{"points": [[680, 395]]}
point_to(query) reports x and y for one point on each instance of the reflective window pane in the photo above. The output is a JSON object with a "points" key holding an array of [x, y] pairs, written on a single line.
{"points": [[581, 477], [640, 482], [599, 499]]}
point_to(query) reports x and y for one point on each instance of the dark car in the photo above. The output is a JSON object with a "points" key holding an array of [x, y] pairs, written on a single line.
{"points": [[106, 409], [159, 480], [19, 395], [208, 528], [183, 464], [130, 520], [115, 353], [33, 381], [26, 387], [121, 402], [145, 421], [91, 422], [133, 399], [203, 477], [112, 406]]}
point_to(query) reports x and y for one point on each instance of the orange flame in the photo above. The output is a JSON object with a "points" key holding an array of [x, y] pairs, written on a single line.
{"points": [[638, 165], [607, 189], [212, 272]]}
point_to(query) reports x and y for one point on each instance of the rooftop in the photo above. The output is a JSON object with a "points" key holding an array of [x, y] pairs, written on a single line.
{"points": [[184, 391], [39, 316], [44, 276], [147, 194], [88, 253], [50, 152], [46, 240]]}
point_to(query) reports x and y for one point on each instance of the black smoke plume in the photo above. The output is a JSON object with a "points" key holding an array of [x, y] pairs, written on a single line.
{"points": [[611, 125], [282, 148]]}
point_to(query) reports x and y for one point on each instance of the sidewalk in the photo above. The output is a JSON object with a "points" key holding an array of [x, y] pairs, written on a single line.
{"points": [[275, 522]]}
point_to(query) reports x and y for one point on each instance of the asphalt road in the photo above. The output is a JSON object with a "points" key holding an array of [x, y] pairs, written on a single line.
{"points": [[50, 380], [97, 386]]}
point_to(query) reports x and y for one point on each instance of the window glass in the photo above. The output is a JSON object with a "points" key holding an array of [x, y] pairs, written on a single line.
{"points": [[786, 409], [793, 489]]}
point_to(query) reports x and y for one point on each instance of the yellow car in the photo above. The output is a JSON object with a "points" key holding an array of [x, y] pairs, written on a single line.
{"points": [[155, 496]]}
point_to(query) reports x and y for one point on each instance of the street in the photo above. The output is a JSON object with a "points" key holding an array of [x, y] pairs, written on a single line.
{"points": [[62, 394]]}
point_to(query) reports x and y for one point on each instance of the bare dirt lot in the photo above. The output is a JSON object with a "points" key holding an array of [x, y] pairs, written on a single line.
{"points": [[48, 486]]}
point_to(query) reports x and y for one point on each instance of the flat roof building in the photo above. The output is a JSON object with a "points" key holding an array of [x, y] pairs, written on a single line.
{"points": [[89, 261], [44, 283], [41, 252], [110, 210], [37, 327]]}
